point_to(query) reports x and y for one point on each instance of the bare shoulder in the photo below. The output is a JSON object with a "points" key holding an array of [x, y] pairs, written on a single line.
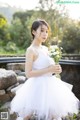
{"points": [[29, 55], [30, 50]]}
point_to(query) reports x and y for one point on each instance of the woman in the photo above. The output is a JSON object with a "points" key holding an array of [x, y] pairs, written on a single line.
{"points": [[43, 94]]}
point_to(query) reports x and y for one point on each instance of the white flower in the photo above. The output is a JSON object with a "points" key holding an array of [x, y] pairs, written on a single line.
{"points": [[55, 52]]}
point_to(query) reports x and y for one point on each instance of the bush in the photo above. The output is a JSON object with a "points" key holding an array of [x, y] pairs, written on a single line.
{"points": [[11, 47]]}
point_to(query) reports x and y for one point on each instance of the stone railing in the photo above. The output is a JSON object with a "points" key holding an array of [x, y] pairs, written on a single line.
{"points": [[71, 56]]}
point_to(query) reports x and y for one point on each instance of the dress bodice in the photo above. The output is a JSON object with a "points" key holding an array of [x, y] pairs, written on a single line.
{"points": [[43, 59]]}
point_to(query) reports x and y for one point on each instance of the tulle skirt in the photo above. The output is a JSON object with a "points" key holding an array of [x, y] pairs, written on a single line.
{"points": [[45, 96]]}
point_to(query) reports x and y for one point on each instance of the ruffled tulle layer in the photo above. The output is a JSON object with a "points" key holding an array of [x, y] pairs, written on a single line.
{"points": [[45, 96]]}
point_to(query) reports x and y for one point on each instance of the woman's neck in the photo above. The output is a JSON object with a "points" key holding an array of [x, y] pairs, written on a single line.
{"points": [[36, 43]]}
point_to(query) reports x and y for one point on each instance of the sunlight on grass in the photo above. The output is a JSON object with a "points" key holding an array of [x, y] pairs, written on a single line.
{"points": [[9, 53]]}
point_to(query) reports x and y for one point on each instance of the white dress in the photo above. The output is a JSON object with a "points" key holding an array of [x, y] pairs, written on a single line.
{"points": [[44, 95]]}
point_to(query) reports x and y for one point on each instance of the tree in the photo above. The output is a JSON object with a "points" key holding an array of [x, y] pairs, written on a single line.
{"points": [[23, 16], [54, 16], [20, 30], [3, 23], [71, 37], [4, 34]]}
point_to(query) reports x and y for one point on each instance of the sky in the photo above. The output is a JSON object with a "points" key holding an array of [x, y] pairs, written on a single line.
{"points": [[74, 11], [25, 4], [73, 8]]}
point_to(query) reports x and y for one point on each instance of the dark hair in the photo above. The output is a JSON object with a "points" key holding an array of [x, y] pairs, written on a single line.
{"points": [[38, 23]]}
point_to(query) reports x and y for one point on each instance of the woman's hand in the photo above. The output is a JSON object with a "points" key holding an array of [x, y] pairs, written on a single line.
{"points": [[55, 69]]}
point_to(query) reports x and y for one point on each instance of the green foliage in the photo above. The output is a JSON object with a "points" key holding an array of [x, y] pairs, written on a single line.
{"points": [[15, 32], [71, 39], [11, 47], [66, 32], [3, 21], [20, 29], [4, 34], [72, 117], [23, 16], [10, 52]]}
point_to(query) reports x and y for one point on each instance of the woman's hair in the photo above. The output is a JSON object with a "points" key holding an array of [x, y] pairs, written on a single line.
{"points": [[38, 23]]}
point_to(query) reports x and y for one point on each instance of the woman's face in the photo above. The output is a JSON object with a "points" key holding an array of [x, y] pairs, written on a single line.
{"points": [[41, 33]]}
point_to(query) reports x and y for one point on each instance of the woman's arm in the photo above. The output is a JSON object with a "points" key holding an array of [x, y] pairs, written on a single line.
{"points": [[34, 73]]}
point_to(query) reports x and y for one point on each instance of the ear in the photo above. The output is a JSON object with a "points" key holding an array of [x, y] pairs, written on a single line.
{"points": [[33, 32]]}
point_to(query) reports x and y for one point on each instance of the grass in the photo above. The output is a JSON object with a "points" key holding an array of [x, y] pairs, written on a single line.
{"points": [[9, 53]]}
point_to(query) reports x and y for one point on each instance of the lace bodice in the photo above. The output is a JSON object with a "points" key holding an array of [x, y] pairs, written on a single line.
{"points": [[43, 59]]}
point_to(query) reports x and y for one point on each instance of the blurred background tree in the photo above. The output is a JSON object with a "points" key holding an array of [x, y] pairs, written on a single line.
{"points": [[65, 32], [71, 39], [4, 33]]}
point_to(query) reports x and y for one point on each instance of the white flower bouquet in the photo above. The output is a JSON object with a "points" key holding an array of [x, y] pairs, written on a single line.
{"points": [[55, 52]]}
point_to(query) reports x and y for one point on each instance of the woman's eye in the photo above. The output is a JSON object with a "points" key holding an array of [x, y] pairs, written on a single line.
{"points": [[42, 30]]}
